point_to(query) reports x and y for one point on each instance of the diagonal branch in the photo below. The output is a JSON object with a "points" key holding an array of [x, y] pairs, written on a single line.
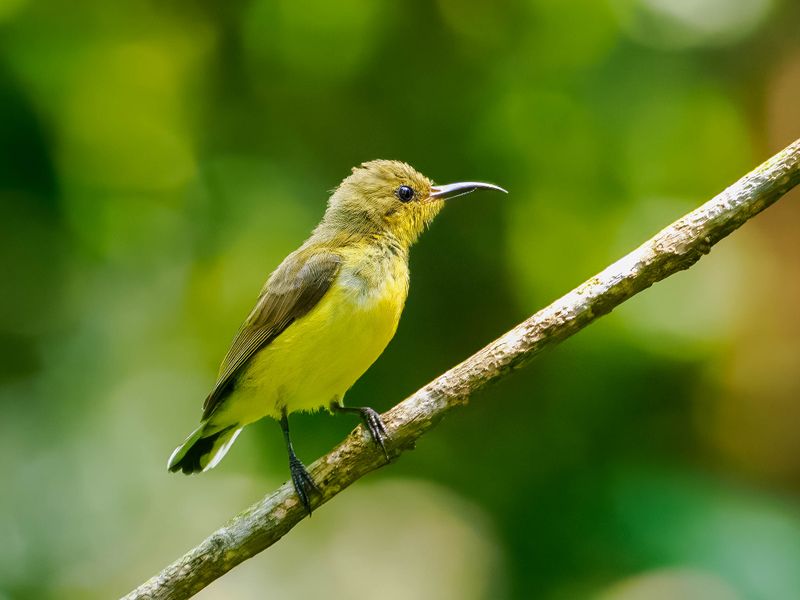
{"points": [[673, 249]]}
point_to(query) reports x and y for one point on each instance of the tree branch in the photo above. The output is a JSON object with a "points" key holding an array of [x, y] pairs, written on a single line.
{"points": [[673, 249]]}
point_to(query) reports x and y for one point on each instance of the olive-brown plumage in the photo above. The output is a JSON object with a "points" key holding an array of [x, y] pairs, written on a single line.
{"points": [[324, 315]]}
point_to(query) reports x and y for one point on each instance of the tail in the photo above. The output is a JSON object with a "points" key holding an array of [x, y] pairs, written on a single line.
{"points": [[202, 451]]}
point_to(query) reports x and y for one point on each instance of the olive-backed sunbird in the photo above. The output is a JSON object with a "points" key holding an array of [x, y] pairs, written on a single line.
{"points": [[324, 315]]}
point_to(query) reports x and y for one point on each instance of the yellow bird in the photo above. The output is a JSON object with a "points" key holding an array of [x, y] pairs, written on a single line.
{"points": [[324, 315]]}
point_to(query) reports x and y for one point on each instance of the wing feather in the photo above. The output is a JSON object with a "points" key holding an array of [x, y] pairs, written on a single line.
{"points": [[295, 287]]}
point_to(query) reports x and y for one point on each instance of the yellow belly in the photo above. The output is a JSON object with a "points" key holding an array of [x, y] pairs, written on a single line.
{"points": [[319, 357]]}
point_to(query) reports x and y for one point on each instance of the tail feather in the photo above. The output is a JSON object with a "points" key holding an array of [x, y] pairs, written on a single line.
{"points": [[202, 451]]}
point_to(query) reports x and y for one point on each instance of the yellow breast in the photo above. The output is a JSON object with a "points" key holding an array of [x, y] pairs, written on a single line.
{"points": [[320, 356]]}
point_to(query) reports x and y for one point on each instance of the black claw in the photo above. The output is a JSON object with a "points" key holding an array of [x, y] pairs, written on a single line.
{"points": [[303, 483], [374, 423]]}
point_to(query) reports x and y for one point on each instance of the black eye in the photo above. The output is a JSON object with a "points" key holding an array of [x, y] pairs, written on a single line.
{"points": [[404, 193]]}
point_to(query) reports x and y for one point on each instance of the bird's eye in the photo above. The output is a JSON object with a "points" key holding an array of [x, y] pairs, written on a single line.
{"points": [[404, 193]]}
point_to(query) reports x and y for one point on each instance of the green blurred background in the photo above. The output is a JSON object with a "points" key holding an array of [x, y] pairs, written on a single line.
{"points": [[160, 158]]}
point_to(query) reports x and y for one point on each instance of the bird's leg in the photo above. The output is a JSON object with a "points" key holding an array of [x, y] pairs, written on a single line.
{"points": [[303, 484], [371, 419]]}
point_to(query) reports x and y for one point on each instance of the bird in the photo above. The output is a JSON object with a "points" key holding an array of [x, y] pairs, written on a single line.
{"points": [[323, 317]]}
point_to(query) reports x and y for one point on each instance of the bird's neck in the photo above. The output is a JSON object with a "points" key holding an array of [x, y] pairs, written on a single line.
{"points": [[381, 240]]}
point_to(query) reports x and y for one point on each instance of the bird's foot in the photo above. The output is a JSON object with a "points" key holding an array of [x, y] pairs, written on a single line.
{"points": [[373, 422], [303, 483]]}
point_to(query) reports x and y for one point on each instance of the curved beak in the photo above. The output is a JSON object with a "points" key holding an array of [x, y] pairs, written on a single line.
{"points": [[452, 190]]}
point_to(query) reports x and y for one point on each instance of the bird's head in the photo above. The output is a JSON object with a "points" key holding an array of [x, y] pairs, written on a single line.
{"points": [[383, 197]]}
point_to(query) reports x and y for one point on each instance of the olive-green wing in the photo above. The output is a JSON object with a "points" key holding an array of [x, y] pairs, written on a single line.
{"points": [[295, 287]]}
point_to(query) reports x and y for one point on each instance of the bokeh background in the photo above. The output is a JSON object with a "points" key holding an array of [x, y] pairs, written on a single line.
{"points": [[160, 158]]}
